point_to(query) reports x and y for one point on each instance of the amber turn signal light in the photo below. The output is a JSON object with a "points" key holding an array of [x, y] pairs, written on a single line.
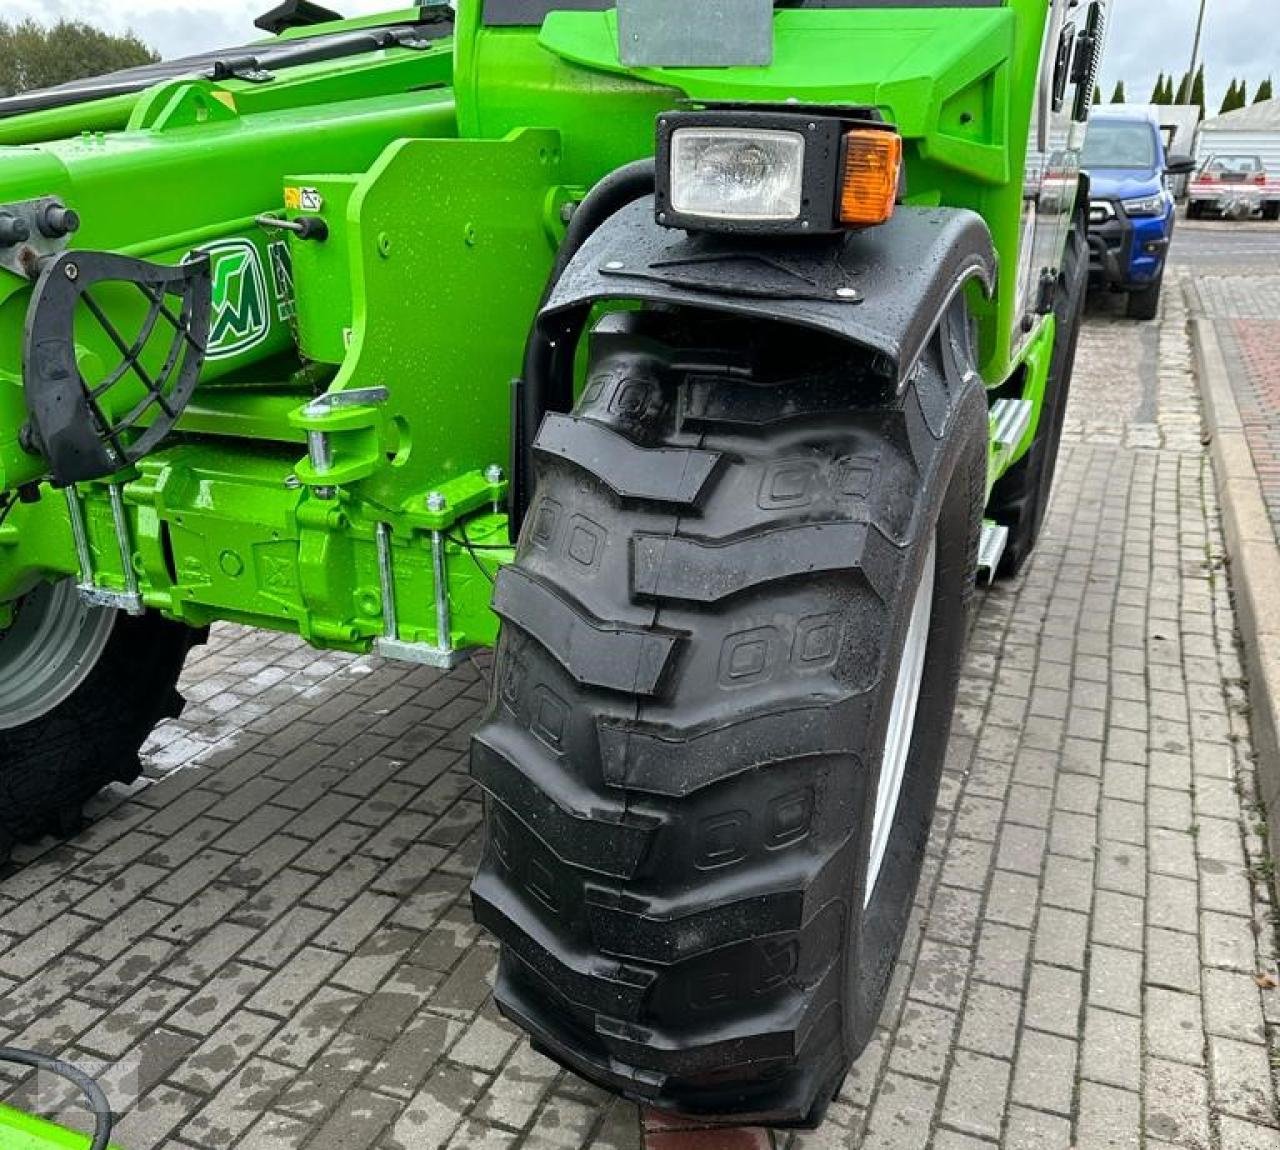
{"points": [[870, 174]]}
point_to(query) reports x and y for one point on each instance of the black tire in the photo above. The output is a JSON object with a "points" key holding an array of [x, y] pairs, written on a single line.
{"points": [[1021, 497], [51, 766], [1271, 211], [701, 633], [1144, 304], [1195, 210]]}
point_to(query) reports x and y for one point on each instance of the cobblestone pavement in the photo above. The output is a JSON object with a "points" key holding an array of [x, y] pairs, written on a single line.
{"points": [[267, 944], [1246, 315]]}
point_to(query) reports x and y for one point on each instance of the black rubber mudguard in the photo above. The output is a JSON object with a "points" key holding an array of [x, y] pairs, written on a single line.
{"points": [[885, 288], [70, 422]]}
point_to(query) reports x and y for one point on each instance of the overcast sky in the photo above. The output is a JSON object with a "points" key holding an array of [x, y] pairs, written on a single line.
{"points": [[1242, 37]]}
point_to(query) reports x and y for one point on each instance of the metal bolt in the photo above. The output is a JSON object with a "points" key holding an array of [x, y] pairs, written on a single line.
{"points": [[437, 502], [326, 494], [292, 482], [493, 475], [72, 272], [847, 293], [13, 230], [567, 212]]}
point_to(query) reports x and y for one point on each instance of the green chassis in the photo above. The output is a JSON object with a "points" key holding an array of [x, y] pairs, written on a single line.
{"points": [[443, 169]]}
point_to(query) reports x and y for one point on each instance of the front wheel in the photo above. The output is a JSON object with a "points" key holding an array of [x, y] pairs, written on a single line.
{"points": [[722, 696], [1271, 211], [81, 688], [1144, 303]]}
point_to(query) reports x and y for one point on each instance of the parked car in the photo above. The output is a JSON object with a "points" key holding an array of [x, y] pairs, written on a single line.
{"points": [[1234, 186], [1131, 210]]}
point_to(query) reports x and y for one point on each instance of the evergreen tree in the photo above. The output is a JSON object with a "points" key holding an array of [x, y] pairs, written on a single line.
{"points": [[1237, 97], [1168, 89], [1197, 89], [1265, 92], [1157, 93], [1229, 100], [1097, 94], [1117, 97], [1184, 88]]}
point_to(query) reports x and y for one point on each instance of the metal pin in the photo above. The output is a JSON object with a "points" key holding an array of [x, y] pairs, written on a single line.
{"points": [[126, 549], [320, 452], [80, 533], [444, 624], [387, 577]]}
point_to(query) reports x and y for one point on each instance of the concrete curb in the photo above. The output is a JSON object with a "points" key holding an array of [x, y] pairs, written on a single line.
{"points": [[1253, 553]]}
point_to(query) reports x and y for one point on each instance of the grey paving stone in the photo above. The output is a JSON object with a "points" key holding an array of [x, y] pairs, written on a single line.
{"points": [[1109, 1118], [1177, 1103], [902, 1114], [923, 1041], [1044, 1072], [1115, 979], [1054, 999], [1036, 1130], [1232, 1006], [976, 1093], [1061, 938], [437, 1111], [1113, 1049], [1248, 1136], [1002, 954]]}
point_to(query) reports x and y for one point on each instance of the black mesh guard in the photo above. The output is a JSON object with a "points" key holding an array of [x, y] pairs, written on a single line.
{"points": [[81, 436]]}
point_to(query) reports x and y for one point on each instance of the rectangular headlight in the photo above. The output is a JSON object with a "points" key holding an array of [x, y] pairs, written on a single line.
{"points": [[1144, 206], [775, 169], [737, 173]]}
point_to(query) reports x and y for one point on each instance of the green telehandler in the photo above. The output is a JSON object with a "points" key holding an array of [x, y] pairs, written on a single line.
{"points": [[699, 356]]}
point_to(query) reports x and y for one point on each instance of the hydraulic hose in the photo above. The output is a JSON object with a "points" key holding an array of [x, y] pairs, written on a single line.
{"points": [[537, 386], [104, 1121]]}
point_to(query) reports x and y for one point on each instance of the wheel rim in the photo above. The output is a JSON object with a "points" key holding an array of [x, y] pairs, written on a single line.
{"points": [[902, 719], [50, 649]]}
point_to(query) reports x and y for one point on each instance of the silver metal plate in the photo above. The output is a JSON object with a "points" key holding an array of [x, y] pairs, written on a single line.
{"points": [[128, 602], [695, 33], [420, 654], [1011, 418], [995, 538]]}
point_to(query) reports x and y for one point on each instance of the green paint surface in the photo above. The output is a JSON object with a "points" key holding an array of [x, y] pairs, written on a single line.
{"points": [[441, 172]]}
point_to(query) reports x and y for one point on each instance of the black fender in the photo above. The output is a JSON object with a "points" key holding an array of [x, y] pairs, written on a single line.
{"points": [[885, 289]]}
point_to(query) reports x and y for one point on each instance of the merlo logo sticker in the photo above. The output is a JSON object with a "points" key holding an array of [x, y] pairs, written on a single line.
{"points": [[241, 307]]}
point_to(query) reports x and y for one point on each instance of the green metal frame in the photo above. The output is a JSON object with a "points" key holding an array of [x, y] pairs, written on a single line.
{"points": [[442, 173], [20, 1131]]}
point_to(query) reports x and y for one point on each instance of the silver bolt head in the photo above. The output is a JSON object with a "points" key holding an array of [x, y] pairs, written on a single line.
{"points": [[493, 475], [72, 272], [436, 502]]}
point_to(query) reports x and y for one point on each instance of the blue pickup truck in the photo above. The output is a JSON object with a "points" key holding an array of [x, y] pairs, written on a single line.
{"points": [[1131, 209]]}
